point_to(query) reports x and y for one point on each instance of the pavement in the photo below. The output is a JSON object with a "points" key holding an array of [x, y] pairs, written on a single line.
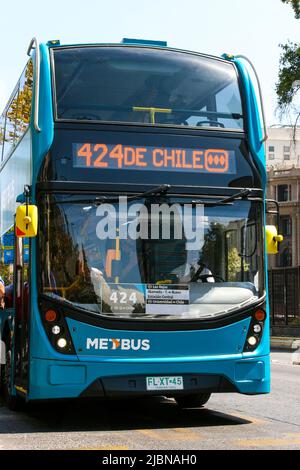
{"points": [[289, 347], [285, 342], [227, 421], [279, 356]]}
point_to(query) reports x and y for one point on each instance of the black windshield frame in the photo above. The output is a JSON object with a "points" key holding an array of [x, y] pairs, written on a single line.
{"points": [[209, 128]]}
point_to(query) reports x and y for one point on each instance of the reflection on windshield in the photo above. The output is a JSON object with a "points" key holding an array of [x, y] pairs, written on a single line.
{"points": [[144, 85], [151, 278]]}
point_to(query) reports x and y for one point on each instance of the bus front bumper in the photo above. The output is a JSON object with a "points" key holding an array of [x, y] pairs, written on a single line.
{"points": [[61, 379]]}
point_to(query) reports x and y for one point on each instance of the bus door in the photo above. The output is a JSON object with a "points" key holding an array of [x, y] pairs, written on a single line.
{"points": [[21, 329]]}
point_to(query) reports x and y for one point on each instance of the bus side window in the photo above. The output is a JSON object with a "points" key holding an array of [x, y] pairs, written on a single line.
{"points": [[10, 125], [15, 120], [25, 99], [2, 129], [7, 265]]}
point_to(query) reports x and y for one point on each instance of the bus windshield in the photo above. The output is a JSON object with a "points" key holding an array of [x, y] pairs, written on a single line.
{"points": [[146, 86], [168, 268]]}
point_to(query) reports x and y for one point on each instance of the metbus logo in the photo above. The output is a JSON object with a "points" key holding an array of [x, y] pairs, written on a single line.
{"points": [[124, 344]]}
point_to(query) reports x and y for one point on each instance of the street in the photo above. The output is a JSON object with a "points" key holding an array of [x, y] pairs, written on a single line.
{"points": [[228, 421]]}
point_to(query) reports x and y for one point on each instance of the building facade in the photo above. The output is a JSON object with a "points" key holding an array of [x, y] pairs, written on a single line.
{"points": [[283, 166]]}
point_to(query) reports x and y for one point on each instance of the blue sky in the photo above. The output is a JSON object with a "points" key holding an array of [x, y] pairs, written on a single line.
{"points": [[250, 27]]}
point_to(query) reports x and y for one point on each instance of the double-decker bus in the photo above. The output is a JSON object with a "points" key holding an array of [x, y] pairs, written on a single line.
{"points": [[133, 237]]}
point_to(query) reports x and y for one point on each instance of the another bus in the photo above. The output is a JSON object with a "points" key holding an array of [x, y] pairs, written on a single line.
{"points": [[133, 242]]}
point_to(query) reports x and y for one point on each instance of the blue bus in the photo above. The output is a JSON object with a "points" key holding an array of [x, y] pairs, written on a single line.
{"points": [[133, 232]]}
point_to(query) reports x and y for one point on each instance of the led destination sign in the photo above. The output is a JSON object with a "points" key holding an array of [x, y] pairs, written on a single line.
{"points": [[118, 156]]}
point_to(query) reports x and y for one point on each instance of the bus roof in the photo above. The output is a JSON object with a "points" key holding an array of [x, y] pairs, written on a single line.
{"points": [[53, 43]]}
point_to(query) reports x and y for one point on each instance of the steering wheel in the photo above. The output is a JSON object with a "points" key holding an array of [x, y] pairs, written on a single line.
{"points": [[217, 123], [205, 277]]}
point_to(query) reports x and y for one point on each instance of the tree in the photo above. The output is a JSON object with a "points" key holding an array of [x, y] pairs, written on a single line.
{"points": [[295, 4], [289, 68], [289, 72], [235, 265]]}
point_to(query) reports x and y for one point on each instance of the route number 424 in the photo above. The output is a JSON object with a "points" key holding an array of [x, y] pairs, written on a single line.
{"points": [[118, 297]]}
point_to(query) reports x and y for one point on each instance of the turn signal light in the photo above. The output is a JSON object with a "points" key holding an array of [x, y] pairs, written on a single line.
{"points": [[260, 315], [50, 315]]}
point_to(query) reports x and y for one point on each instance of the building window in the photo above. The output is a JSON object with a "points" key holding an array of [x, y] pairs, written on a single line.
{"points": [[286, 258], [286, 226], [283, 192], [286, 152], [271, 156]]}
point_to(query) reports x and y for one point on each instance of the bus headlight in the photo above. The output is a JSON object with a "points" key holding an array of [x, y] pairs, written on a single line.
{"points": [[257, 328], [252, 340], [55, 330], [62, 343]]}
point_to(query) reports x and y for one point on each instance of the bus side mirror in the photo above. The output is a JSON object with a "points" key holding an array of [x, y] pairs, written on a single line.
{"points": [[272, 239], [26, 221]]}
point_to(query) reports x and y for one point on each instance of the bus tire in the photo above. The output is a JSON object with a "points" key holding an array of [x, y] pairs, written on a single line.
{"points": [[13, 402], [192, 401]]}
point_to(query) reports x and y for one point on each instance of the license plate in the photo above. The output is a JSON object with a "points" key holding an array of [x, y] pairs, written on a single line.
{"points": [[164, 383]]}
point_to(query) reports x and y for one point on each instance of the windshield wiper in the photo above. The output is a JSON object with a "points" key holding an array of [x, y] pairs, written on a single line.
{"points": [[159, 190], [241, 194]]}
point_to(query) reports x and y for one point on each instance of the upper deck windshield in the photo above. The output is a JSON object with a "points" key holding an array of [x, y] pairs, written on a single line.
{"points": [[146, 86], [200, 261]]}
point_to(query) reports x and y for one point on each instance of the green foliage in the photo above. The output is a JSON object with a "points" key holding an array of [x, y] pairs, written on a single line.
{"points": [[6, 274], [19, 110], [289, 71], [289, 66], [295, 4], [235, 265]]}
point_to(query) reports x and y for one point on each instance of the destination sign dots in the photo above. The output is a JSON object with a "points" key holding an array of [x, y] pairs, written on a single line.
{"points": [[216, 160]]}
